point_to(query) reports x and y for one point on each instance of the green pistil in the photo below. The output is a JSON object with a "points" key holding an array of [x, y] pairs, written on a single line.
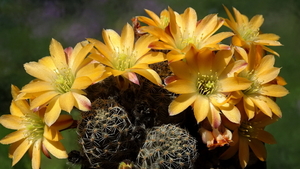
{"points": [[124, 60], [206, 84], [247, 33], [165, 21], [64, 80], [255, 86], [34, 126]]}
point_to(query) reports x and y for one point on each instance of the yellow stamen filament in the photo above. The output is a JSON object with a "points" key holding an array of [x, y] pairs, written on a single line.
{"points": [[34, 126], [64, 80], [206, 84], [248, 33], [248, 130]]}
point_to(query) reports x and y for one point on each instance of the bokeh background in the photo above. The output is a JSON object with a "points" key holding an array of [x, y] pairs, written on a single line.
{"points": [[27, 26]]}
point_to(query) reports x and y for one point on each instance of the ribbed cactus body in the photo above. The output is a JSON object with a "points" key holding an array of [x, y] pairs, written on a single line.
{"points": [[167, 146], [106, 135]]}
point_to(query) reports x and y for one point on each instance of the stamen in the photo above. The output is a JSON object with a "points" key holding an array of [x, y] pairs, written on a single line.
{"points": [[247, 33], [64, 80], [34, 126], [206, 84]]}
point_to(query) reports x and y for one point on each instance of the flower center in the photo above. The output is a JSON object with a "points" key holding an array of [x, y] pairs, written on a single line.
{"points": [[248, 33], [164, 22], [64, 80], [246, 129], [255, 86], [206, 84], [124, 60], [34, 126]]}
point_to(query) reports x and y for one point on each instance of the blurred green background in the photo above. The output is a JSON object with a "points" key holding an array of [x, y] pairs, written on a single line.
{"points": [[27, 26]]}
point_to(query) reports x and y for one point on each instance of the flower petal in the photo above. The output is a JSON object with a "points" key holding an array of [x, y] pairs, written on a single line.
{"points": [[258, 149], [39, 71], [231, 113], [149, 74], [243, 152], [274, 90], [234, 84], [55, 148], [82, 102], [266, 137], [51, 133], [201, 108], [21, 150], [36, 154], [11, 122], [37, 86], [66, 101], [43, 99], [13, 137], [52, 112], [182, 87], [180, 103], [58, 54], [63, 122], [81, 82]]}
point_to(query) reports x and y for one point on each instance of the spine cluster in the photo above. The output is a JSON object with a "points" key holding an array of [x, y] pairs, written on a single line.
{"points": [[167, 146]]}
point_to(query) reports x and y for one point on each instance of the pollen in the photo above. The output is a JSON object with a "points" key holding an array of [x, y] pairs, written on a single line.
{"points": [[34, 125], [206, 84], [255, 86], [64, 80]]}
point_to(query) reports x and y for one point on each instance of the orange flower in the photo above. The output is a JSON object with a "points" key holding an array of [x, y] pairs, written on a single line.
{"points": [[185, 31], [32, 133], [61, 79], [248, 33], [250, 133], [124, 57], [259, 95], [204, 84]]}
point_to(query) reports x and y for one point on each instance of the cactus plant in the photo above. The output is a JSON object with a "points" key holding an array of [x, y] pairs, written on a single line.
{"points": [[167, 146]]}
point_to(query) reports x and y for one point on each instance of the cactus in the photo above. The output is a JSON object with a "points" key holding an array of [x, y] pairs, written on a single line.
{"points": [[167, 146], [107, 136]]}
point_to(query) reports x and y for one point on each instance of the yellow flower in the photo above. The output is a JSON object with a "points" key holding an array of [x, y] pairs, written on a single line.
{"points": [[32, 133], [247, 32], [250, 134], [160, 22], [125, 57], [204, 84], [185, 30], [61, 79], [259, 95]]}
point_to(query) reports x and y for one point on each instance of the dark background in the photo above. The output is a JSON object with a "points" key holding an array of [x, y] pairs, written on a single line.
{"points": [[27, 26]]}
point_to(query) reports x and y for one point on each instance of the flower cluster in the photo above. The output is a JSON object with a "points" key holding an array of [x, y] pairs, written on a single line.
{"points": [[231, 88]]}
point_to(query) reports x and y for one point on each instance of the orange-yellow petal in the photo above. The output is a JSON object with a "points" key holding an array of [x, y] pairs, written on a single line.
{"points": [[55, 148], [52, 112], [182, 87], [36, 154], [243, 152], [38, 86], [13, 137], [82, 102], [81, 82], [52, 133], [201, 108], [259, 149], [274, 90], [11, 122], [43, 98], [21, 150], [66, 101], [181, 103], [234, 84], [63, 122]]}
